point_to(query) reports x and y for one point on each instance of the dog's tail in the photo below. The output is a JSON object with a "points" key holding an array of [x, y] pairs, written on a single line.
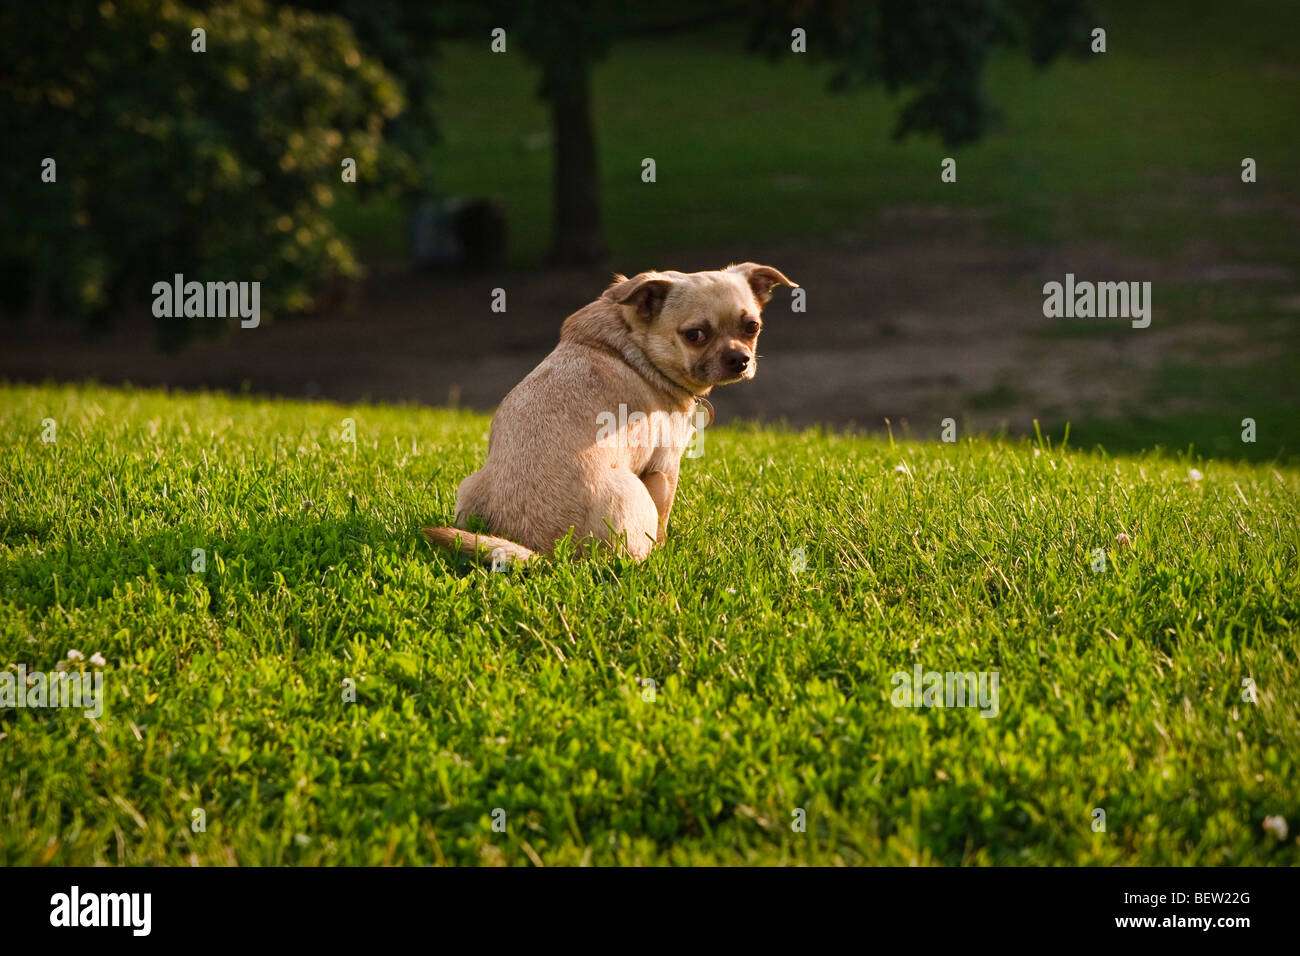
{"points": [[497, 552]]}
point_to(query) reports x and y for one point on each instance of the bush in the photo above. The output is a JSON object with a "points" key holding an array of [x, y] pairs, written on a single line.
{"points": [[219, 164]]}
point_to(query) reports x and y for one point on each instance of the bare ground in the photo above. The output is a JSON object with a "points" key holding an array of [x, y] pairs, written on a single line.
{"points": [[918, 317]]}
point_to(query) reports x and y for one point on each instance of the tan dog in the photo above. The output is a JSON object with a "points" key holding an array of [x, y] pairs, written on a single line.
{"points": [[563, 454]]}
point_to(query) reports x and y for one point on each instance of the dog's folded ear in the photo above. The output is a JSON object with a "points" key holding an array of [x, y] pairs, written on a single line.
{"points": [[645, 291], [761, 279]]}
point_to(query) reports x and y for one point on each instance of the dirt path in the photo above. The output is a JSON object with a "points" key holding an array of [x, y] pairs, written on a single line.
{"points": [[912, 328]]}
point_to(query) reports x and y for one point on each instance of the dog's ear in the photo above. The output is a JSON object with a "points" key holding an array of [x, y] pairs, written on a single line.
{"points": [[645, 291], [761, 279]]}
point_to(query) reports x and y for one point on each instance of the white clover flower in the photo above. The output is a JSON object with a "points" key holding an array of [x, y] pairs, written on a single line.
{"points": [[1276, 825]]}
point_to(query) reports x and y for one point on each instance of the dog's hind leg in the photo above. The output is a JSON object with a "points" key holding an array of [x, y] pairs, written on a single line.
{"points": [[625, 515], [662, 486]]}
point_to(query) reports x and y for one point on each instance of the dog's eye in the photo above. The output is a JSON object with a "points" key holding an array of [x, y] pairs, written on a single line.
{"points": [[695, 336], [751, 327]]}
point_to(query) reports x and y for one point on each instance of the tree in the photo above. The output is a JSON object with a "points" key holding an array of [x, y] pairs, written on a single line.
{"points": [[225, 161], [937, 48]]}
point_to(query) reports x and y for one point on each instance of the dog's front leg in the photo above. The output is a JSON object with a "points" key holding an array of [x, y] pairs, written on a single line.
{"points": [[662, 486]]}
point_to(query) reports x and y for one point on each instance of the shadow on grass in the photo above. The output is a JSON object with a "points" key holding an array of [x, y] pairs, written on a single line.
{"points": [[73, 574], [1199, 436]]}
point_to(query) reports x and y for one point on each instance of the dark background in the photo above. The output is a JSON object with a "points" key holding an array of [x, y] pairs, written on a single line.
{"points": [[924, 297]]}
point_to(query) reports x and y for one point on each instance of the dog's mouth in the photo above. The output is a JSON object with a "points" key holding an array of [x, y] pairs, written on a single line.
{"points": [[705, 375], [731, 380], [712, 375]]}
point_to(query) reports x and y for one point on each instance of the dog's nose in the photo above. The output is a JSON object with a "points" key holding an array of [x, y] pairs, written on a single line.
{"points": [[735, 360]]}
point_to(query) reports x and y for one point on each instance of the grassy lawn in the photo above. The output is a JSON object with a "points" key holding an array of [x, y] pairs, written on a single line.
{"points": [[1120, 690]]}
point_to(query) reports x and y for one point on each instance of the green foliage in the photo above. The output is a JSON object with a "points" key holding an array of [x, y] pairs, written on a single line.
{"points": [[220, 164], [1119, 690], [402, 36], [938, 49]]}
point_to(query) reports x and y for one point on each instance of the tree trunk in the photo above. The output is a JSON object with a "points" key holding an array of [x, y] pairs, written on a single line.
{"points": [[578, 237]]}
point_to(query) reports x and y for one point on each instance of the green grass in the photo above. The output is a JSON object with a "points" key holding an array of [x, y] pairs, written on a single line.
{"points": [[1120, 690]]}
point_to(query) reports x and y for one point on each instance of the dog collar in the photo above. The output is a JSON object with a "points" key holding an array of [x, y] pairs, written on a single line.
{"points": [[663, 379]]}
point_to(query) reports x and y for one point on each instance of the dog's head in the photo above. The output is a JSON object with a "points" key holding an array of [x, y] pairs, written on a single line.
{"points": [[700, 329]]}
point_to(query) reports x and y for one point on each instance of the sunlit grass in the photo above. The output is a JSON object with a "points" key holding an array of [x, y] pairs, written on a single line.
{"points": [[527, 692]]}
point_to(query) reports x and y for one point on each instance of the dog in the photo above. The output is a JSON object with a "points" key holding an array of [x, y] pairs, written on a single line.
{"points": [[591, 441]]}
